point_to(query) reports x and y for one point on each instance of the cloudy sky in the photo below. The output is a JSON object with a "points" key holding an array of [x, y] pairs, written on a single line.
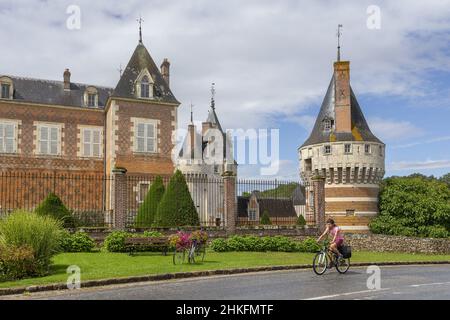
{"points": [[271, 62]]}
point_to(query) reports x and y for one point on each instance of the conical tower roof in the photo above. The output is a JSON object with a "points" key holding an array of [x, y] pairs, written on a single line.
{"points": [[360, 130], [141, 60]]}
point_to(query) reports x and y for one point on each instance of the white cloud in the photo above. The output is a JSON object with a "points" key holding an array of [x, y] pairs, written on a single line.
{"points": [[428, 164], [266, 57], [389, 130], [420, 143]]}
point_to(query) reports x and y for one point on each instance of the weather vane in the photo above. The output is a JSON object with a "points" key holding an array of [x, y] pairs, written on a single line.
{"points": [[339, 33], [140, 20]]}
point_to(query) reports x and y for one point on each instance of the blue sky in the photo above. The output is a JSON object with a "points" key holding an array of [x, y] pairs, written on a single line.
{"points": [[271, 62]]}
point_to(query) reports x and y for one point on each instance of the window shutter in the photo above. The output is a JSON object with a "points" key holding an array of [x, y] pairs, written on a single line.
{"points": [[9, 138], [43, 138], [54, 141], [140, 138], [96, 143], [1, 138]]}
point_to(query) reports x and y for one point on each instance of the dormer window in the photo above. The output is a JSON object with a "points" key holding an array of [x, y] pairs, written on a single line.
{"points": [[327, 149], [6, 88], [328, 124], [91, 97], [144, 85], [145, 88]]}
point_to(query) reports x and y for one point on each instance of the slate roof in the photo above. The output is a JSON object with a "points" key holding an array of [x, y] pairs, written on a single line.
{"points": [[52, 92], [280, 207], [298, 196], [360, 128], [140, 60]]}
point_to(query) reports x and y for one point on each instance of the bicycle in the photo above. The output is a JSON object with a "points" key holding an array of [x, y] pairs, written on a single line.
{"points": [[326, 259]]}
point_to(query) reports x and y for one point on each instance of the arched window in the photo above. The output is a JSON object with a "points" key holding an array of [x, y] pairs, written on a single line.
{"points": [[6, 88], [91, 97], [145, 87]]}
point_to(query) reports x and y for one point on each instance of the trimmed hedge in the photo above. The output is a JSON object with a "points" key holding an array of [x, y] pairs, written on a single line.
{"points": [[54, 207], [176, 208], [265, 219], [147, 210], [115, 241], [77, 242], [262, 244], [301, 222]]}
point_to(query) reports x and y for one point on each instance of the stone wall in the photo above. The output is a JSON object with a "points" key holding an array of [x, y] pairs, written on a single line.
{"points": [[383, 243]]}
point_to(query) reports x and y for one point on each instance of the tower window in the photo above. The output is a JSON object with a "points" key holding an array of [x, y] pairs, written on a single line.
{"points": [[328, 124], [367, 148], [145, 88], [91, 100], [5, 90], [381, 150], [348, 148], [327, 149]]}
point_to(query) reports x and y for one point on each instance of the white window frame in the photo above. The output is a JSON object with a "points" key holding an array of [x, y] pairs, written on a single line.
{"points": [[367, 151], [49, 127], [350, 149], [325, 149], [3, 124], [145, 122], [91, 143], [252, 211], [8, 95]]}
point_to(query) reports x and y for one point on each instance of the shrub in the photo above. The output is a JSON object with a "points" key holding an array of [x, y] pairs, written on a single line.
{"points": [[77, 242], [147, 210], [265, 219], [176, 207], [301, 222], [115, 241], [17, 263], [436, 232], [152, 234], [220, 245], [41, 233], [309, 245], [55, 208]]}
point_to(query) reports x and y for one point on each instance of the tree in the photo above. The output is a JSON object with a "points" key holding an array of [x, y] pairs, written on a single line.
{"points": [[265, 219], [413, 206], [54, 207], [147, 210], [446, 179], [176, 207], [301, 221]]}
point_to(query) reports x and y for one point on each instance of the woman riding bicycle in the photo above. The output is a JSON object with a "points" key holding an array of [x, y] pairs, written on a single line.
{"points": [[338, 238]]}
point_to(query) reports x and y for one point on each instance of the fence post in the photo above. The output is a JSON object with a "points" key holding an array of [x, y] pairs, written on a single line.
{"points": [[230, 208], [120, 198], [319, 201]]}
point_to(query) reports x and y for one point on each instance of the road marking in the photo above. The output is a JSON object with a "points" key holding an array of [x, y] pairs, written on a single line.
{"points": [[347, 294], [429, 284]]}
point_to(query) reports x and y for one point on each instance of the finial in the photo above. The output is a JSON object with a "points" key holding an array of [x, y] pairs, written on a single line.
{"points": [[192, 114], [213, 95], [140, 20], [339, 33]]}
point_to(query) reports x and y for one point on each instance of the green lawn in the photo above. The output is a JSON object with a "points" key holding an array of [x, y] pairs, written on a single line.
{"points": [[101, 265]]}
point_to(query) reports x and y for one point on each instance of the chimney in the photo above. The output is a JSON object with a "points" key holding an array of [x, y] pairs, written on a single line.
{"points": [[67, 80], [191, 131], [342, 96], [165, 71]]}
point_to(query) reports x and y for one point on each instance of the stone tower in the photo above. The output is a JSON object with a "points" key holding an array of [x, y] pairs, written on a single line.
{"points": [[343, 150]]}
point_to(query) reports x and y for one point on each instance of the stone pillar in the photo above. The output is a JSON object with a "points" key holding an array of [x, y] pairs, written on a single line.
{"points": [[318, 184], [119, 192], [230, 205]]}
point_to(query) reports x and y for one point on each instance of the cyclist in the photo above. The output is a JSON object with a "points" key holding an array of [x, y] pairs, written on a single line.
{"points": [[338, 238]]}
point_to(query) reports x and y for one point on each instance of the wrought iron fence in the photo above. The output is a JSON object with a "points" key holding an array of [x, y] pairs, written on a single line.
{"points": [[83, 194]]}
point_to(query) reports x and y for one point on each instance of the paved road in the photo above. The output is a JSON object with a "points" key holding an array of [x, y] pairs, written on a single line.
{"points": [[406, 282]]}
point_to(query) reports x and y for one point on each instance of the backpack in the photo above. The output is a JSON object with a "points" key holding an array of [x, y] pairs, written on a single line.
{"points": [[346, 251]]}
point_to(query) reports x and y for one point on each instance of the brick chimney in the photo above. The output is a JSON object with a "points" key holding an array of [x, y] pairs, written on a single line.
{"points": [[342, 96], [67, 80], [165, 71]]}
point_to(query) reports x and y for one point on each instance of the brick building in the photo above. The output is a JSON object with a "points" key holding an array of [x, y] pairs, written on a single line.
{"points": [[342, 149], [67, 128]]}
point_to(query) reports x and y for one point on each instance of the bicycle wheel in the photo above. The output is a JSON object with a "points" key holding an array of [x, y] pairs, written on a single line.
{"points": [[178, 256], [200, 252], [320, 263], [342, 265]]}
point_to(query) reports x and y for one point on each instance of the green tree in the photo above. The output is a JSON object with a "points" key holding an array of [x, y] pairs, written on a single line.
{"points": [[446, 179], [265, 219], [301, 221], [413, 206], [176, 207], [147, 210], [55, 208]]}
